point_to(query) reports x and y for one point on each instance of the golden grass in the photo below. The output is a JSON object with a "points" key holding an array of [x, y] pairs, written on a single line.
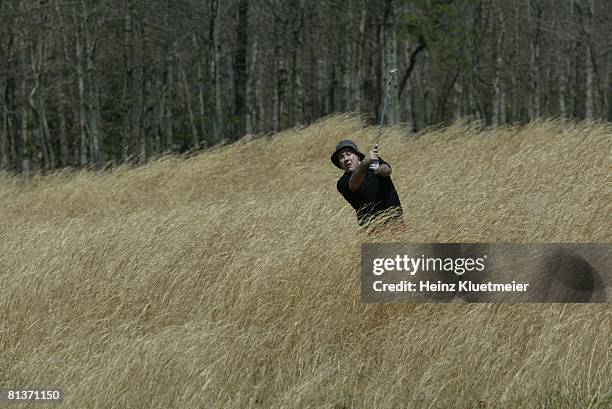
{"points": [[231, 279]]}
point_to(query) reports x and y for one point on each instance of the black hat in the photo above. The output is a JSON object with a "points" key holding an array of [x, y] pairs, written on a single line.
{"points": [[345, 144]]}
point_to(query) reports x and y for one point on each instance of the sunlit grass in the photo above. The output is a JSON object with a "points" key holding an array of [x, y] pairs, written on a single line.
{"points": [[231, 279]]}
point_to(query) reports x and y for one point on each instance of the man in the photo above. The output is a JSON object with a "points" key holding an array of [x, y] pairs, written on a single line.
{"points": [[369, 192]]}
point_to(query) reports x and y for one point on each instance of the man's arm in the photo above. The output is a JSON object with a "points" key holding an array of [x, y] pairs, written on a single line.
{"points": [[358, 176], [383, 170]]}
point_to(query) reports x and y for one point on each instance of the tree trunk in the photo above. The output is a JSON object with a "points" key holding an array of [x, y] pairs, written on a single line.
{"points": [[36, 102], [207, 139], [516, 94], [12, 120], [192, 121], [128, 81], [25, 132], [499, 106], [535, 14], [240, 71], [142, 134], [83, 157], [46, 136], [4, 135], [296, 109], [357, 67], [389, 62], [5, 108], [215, 51], [253, 87], [413, 111], [63, 129], [608, 89], [589, 111], [563, 65], [167, 120], [93, 106], [297, 89], [61, 95]]}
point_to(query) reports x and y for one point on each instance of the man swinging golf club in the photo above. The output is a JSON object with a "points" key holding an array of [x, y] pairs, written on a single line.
{"points": [[370, 192], [366, 183]]}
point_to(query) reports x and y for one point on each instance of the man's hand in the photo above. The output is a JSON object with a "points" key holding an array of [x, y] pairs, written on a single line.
{"points": [[371, 157], [383, 169]]}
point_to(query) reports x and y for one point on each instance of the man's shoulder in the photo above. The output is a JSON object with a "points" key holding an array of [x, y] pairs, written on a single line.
{"points": [[345, 176]]}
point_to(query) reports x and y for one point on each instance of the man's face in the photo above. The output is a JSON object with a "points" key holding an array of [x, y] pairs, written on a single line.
{"points": [[348, 159]]}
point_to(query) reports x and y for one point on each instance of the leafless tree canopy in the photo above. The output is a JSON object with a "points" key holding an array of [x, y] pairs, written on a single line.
{"points": [[87, 83]]}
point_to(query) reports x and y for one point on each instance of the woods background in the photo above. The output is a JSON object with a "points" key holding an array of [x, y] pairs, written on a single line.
{"points": [[91, 83]]}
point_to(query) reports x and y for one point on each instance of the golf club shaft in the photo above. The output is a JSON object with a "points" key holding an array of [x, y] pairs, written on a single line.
{"points": [[374, 165], [382, 116]]}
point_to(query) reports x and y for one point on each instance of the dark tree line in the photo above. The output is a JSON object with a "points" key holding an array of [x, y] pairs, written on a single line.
{"points": [[87, 83]]}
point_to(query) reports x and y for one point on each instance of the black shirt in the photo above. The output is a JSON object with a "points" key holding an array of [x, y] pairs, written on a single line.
{"points": [[376, 194]]}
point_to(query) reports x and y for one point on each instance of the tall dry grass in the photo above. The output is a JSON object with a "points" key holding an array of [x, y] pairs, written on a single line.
{"points": [[231, 279]]}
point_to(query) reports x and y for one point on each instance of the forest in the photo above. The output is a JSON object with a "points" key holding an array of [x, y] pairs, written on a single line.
{"points": [[94, 84]]}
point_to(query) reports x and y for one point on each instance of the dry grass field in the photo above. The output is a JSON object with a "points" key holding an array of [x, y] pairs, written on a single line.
{"points": [[230, 279]]}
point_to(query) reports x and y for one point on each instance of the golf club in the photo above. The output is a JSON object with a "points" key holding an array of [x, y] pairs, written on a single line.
{"points": [[374, 165]]}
